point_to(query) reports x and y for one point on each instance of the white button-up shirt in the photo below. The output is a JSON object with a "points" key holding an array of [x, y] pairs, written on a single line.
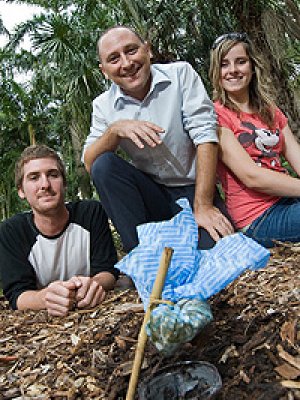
{"points": [[177, 102]]}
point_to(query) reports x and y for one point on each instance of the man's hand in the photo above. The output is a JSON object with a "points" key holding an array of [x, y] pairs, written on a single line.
{"points": [[139, 132], [89, 292], [213, 221], [60, 297]]}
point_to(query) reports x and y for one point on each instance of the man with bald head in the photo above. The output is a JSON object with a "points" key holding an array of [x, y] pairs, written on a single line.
{"points": [[162, 117]]}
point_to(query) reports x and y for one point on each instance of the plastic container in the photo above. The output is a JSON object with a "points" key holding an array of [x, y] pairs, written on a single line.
{"points": [[181, 381]]}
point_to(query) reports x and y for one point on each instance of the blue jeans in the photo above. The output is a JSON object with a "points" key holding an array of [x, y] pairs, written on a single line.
{"points": [[131, 197], [280, 222]]}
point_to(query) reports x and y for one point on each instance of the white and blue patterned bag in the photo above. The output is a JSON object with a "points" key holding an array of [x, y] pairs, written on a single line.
{"points": [[193, 274]]}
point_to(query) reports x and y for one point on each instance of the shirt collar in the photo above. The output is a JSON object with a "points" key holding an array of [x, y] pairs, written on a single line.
{"points": [[158, 77]]}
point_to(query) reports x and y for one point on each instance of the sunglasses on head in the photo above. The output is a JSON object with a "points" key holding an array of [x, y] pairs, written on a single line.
{"points": [[242, 37]]}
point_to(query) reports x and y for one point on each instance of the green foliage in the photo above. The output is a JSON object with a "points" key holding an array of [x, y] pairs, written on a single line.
{"points": [[62, 67], [288, 167]]}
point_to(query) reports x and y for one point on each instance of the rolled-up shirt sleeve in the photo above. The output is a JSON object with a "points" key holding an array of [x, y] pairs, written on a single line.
{"points": [[199, 118], [98, 126]]}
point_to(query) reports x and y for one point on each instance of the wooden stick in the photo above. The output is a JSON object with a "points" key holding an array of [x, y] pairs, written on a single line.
{"points": [[142, 339]]}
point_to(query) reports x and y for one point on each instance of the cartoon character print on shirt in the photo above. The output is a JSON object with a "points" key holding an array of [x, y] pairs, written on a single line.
{"points": [[264, 140]]}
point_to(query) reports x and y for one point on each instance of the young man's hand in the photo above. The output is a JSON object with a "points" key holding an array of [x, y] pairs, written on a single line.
{"points": [[60, 297], [89, 292]]}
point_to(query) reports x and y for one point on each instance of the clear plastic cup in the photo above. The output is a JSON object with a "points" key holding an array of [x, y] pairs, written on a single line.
{"points": [[181, 381]]}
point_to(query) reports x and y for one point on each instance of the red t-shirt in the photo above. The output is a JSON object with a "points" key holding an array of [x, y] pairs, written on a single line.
{"points": [[264, 145]]}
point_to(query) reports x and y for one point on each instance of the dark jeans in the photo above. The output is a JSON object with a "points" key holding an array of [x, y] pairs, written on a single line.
{"points": [[131, 197], [279, 222]]}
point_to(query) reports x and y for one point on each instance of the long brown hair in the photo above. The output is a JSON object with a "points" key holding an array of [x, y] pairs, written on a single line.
{"points": [[260, 88]]}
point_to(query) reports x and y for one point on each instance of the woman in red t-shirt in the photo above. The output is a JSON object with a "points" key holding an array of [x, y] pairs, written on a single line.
{"points": [[261, 197]]}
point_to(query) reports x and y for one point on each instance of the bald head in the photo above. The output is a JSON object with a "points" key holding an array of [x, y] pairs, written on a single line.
{"points": [[125, 59], [110, 30]]}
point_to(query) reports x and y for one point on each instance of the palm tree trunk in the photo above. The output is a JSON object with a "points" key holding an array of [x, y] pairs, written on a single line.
{"points": [[83, 176], [31, 133]]}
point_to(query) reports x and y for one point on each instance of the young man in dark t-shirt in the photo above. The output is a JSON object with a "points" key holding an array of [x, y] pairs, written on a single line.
{"points": [[57, 255]]}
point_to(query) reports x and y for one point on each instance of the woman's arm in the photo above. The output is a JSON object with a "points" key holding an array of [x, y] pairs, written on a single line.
{"points": [[291, 151], [235, 157]]}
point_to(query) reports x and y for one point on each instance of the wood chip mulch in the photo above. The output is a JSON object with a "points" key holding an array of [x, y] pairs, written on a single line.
{"points": [[254, 341]]}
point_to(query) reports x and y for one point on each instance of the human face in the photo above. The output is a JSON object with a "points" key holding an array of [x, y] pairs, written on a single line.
{"points": [[126, 61], [42, 186], [236, 71]]}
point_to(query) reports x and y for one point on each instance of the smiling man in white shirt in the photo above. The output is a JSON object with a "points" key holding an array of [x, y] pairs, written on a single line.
{"points": [[162, 117]]}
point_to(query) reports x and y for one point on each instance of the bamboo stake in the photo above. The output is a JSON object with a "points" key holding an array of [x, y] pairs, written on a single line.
{"points": [[142, 339]]}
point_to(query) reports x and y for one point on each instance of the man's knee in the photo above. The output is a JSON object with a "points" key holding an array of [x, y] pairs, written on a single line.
{"points": [[104, 166]]}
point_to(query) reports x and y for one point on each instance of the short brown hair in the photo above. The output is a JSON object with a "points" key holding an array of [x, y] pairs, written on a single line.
{"points": [[34, 152]]}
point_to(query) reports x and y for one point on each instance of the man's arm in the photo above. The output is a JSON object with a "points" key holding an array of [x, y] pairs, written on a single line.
{"points": [[139, 132], [207, 216], [105, 279], [60, 297], [57, 298], [199, 120], [109, 141], [18, 275], [91, 291]]}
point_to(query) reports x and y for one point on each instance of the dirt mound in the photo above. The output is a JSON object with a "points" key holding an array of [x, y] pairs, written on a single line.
{"points": [[254, 341]]}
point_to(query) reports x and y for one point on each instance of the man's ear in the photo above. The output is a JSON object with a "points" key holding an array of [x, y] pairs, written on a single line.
{"points": [[21, 193], [149, 49], [103, 71]]}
